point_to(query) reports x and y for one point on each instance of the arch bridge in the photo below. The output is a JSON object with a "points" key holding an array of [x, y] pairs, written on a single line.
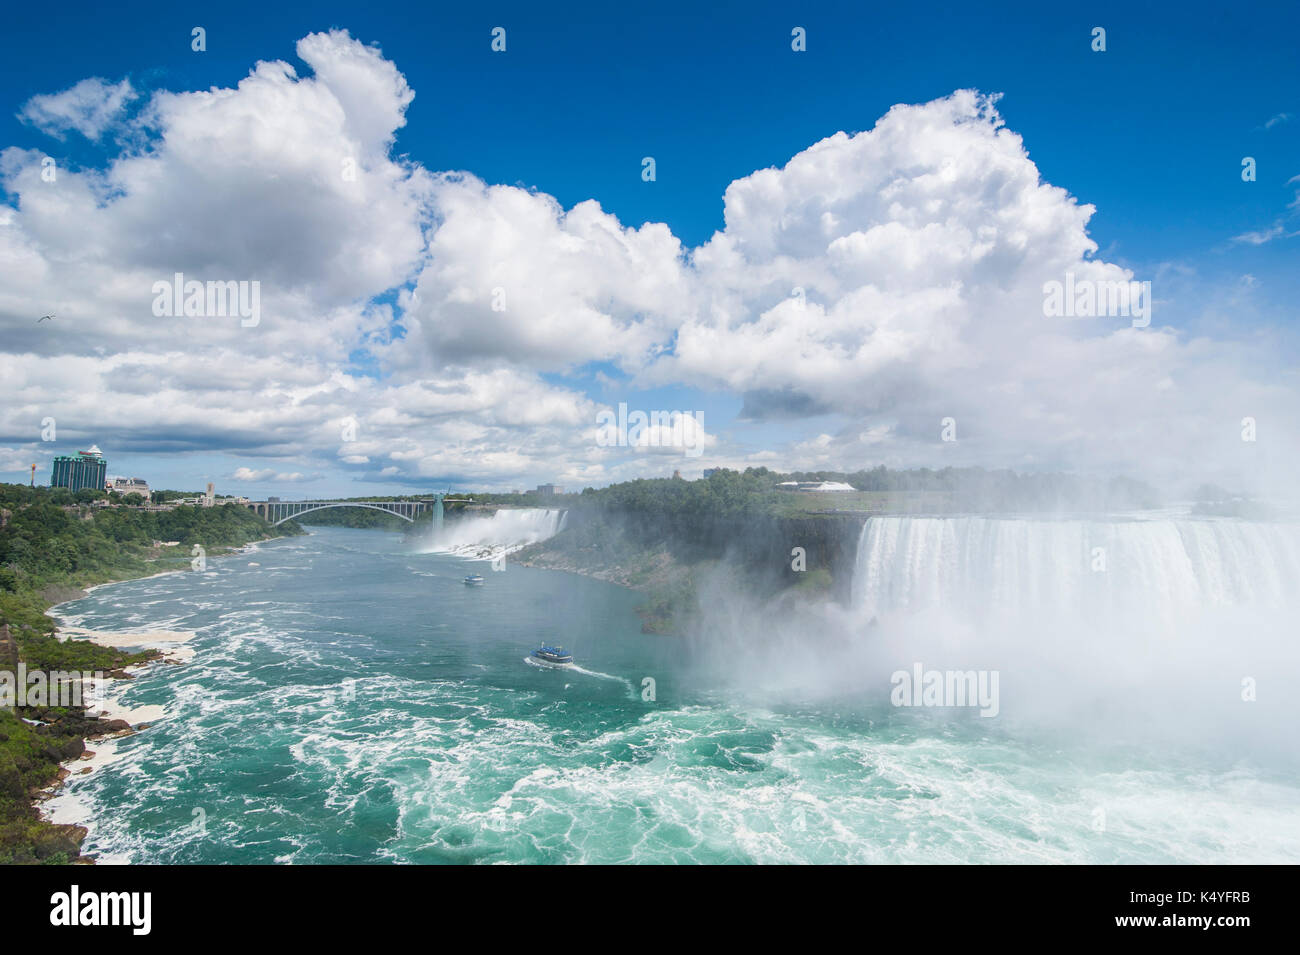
{"points": [[277, 512]]}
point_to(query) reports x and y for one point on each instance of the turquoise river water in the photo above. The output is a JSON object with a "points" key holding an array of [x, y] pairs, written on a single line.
{"points": [[352, 701]]}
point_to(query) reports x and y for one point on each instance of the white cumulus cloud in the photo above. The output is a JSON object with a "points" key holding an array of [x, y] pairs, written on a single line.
{"points": [[89, 108], [878, 282]]}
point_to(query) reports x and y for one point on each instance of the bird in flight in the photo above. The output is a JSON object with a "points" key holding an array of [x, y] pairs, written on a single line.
{"points": [[43, 318]]}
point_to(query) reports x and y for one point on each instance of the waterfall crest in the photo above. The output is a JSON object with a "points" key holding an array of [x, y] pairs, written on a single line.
{"points": [[1089, 569], [504, 531]]}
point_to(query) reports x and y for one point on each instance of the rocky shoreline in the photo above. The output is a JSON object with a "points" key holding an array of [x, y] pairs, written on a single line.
{"points": [[111, 721]]}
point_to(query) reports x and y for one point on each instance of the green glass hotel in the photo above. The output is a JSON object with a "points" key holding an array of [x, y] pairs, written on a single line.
{"points": [[81, 470]]}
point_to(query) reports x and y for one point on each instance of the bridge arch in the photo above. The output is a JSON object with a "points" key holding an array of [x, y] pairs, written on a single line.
{"points": [[323, 507]]}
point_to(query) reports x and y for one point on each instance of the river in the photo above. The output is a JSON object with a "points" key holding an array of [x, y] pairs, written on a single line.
{"points": [[350, 700]]}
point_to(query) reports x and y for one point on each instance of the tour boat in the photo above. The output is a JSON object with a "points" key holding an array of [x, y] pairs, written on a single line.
{"points": [[552, 656], [474, 579]]}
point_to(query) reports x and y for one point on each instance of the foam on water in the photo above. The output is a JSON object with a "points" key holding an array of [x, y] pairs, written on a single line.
{"points": [[503, 532], [574, 668], [340, 712]]}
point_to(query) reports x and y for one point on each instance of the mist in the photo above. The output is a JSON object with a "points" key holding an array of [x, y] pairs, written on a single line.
{"points": [[1111, 632], [488, 537]]}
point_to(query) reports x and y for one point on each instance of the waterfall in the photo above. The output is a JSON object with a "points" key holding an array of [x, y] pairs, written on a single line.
{"points": [[1085, 569], [1166, 627], [504, 531]]}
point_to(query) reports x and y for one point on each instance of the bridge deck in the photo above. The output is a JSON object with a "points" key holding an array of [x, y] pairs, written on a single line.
{"points": [[277, 512]]}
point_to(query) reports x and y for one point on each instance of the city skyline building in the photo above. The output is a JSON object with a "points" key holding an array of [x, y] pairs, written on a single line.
{"points": [[85, 469]]}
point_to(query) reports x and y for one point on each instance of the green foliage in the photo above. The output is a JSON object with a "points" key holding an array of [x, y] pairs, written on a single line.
{"points": [[41, 651], [29, 760], [25, 610], [685, 514], [724, 494], [817, 580], [670, 604], [52, 543], [45, 543], [727, 494]]}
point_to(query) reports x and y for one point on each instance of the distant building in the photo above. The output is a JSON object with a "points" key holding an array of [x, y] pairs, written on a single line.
{"points": [[85, 469], [549, 490], [815, 486], [135, 485], [208, 498], [709, 472]]}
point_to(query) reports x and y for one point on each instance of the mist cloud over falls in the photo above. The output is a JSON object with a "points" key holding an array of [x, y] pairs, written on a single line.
{"points": [[1110, 633]]}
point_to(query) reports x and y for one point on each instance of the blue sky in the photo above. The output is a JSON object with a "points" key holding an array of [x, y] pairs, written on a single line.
{"points": [[1151, 132]]}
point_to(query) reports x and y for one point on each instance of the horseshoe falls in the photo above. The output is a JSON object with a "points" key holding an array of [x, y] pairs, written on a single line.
{"points": [[351, 700], [1177, 632], [1157, 570]]}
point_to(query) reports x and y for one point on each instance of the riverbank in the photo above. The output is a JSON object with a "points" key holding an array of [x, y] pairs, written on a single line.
{"points": [[108, 719], [60, 743], [51, 554], [41, 744], [58, 804], [668, 584]]}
